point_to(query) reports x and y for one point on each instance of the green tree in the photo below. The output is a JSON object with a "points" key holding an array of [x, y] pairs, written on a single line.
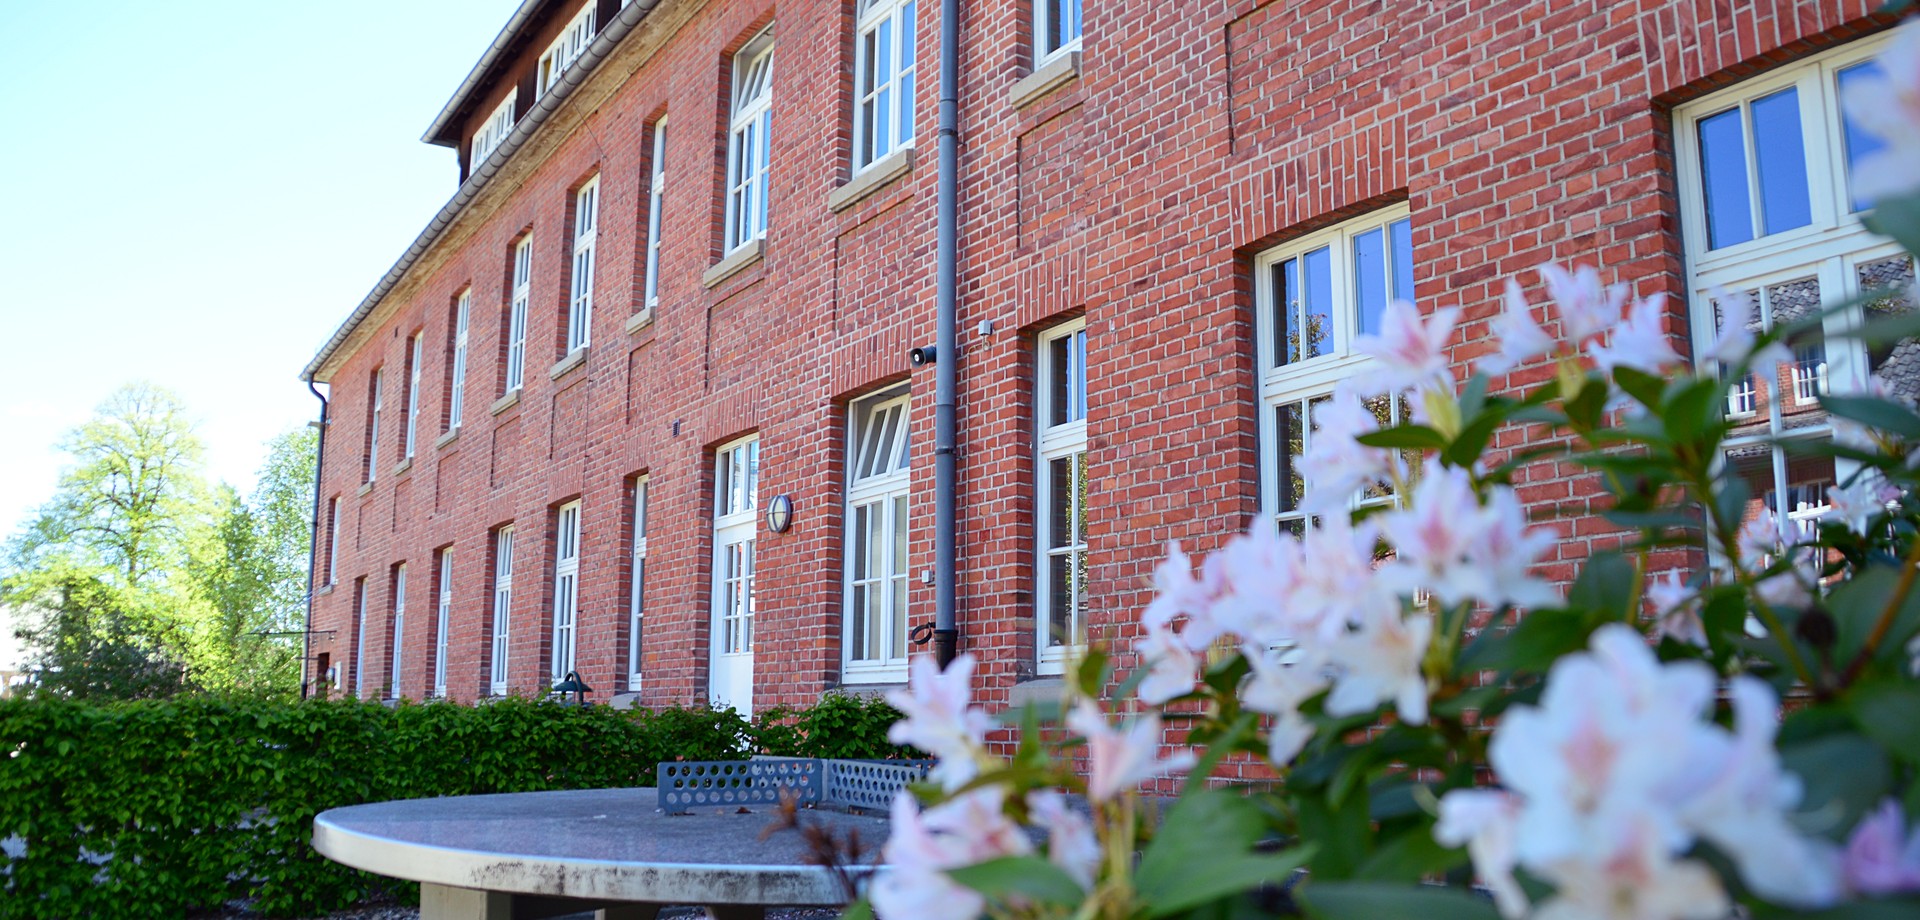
{"points": [[254, 572]]}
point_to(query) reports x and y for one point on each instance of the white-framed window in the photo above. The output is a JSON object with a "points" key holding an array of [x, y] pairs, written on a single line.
{"points": [[517, 312], [883, 79], [1769, 218], [1314, 296], [748, 146], [442, 620], [494, 131], [360, 637], [566, 587], [373, 426], [1061, 486], [1056, 28], [414, 354], [502, 610], [656, 198], [566, 49], [637, 587], [399, 628], [457, 385], [586, 229], [737, 481], [333, 539], [878, 523]]}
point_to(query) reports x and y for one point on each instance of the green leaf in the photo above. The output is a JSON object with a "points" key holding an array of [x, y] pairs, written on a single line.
{"points": [[1418, 437], [1030, 877], [1898, 218], [1343, 833], [1473, 439], [1210, 878], [1874, 412], [1886, 710], [1900, 909], [1410, 857], [1844, 777], [1604, 589], [1091, 673], [1690, 411], [858, 910], [1540, 638], [1642, 386], [1330, 900], [1204, 823]]}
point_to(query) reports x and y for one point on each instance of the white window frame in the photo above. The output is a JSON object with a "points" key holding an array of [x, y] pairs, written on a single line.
{"points": [[735, 524], [415, 352], [502, 610], [493, 132], [442, 619], [373, 427], [749, 159], [586, 230], [517, 313], [878, 482], [399, 628], [656, 199], [637, 586], [566, 589], [1064, 441], [566, 49], [1045, 12], [883, 98], [360, 639], [1300, 382], [1830, 249], [457, 395], [333, 540]]}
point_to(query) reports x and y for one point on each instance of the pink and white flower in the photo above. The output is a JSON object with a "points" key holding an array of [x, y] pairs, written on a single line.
{"points": [[1335, 465], [1859, 502], [1379, 661], [1279, 683], [1881, 857], [1412, 352], [1887, 105], [1171, 666], [1071, 843], [1639, 341], [1121, 760], [968, 829], [1586, 307], [939, 719], [1519, 335], [1484, 821], [1733, 345], [1675, 611]]}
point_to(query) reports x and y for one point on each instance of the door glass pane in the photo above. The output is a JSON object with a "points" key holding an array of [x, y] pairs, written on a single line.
{"points": [[1401, 232], [1290, 434], [1286, 309], [1370, 279], [1060, 366], [1080, 498], [1059, 597], [1723, 171], [1860, 144], [1059, 501], [1317, 287], [1780, 155]]}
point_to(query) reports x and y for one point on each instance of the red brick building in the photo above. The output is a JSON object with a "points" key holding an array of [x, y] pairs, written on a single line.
{"points": [[694, 243]]}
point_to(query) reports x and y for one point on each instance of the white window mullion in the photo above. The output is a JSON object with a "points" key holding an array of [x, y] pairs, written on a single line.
{"points": [[748, 157], [457, 397], [494, 132], [586, 223], [1056, 28], [502, 608], [566, 49], [413, 394], [637, 591], [333, 540], [441, 623], [656, 198], [877, 521], [399, 628], [566, 588], [373, 429], [517, 312], [1061, 483], [360, 639], [884, 79]]}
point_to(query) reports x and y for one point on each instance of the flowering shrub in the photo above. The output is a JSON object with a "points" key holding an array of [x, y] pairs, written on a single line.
{"points": [[1448, 734]]}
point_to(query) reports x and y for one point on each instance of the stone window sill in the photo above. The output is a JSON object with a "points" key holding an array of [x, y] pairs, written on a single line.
{"points": [[403, 466], [735, 263], [1045, 79], [507, 402], [574, 359], [872, 178], [366, 487], [1038, 690], [640, 320], [324, 590], [452, 435]]}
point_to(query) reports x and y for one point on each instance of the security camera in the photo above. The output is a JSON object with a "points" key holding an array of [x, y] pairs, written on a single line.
{"points": [[925, 354]]}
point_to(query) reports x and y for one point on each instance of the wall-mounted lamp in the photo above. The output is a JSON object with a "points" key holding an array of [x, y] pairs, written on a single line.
{"points": [[780, 513]]}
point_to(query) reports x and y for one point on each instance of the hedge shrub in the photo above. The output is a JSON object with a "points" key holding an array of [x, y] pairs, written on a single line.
{"points": [[197, 800]]}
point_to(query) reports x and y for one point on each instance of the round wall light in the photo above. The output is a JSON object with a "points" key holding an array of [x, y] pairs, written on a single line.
{"points": [[780, 513]]}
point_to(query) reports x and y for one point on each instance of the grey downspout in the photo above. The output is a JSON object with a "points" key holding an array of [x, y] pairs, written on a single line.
{"points": [[946, 631], [313, 541]]}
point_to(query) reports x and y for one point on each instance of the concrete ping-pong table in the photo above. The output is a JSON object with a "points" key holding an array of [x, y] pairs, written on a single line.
{"points": [[542, 854]]}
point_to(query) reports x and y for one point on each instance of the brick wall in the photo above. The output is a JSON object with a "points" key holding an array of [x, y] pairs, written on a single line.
{"points": [[1136, 195]]}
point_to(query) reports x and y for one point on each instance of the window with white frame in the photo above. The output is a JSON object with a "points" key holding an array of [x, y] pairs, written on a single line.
{"points": [[748, 147], [586, 229], [1056, 27], [883, 79], [637, 586], [360, 637], [457, 373], [413, 394], [1770, 221], [493, 132], [373, 426], [1061, 487], [502, 608], [517, 312], [737, 483], [333, 540], [656, 198], [399, 628], [442, 618], [1314, 297], [878, 523], [566, 587], [566, 49]]}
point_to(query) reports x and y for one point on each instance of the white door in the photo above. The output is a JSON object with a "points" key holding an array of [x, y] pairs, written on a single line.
{"points": [[730, 674]]}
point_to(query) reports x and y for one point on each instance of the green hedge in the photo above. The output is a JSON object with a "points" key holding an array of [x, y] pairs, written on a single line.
{"points": [[199, 800]]}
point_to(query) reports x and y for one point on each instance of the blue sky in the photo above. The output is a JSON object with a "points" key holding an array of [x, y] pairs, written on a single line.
{"points": [[196, 194]]}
